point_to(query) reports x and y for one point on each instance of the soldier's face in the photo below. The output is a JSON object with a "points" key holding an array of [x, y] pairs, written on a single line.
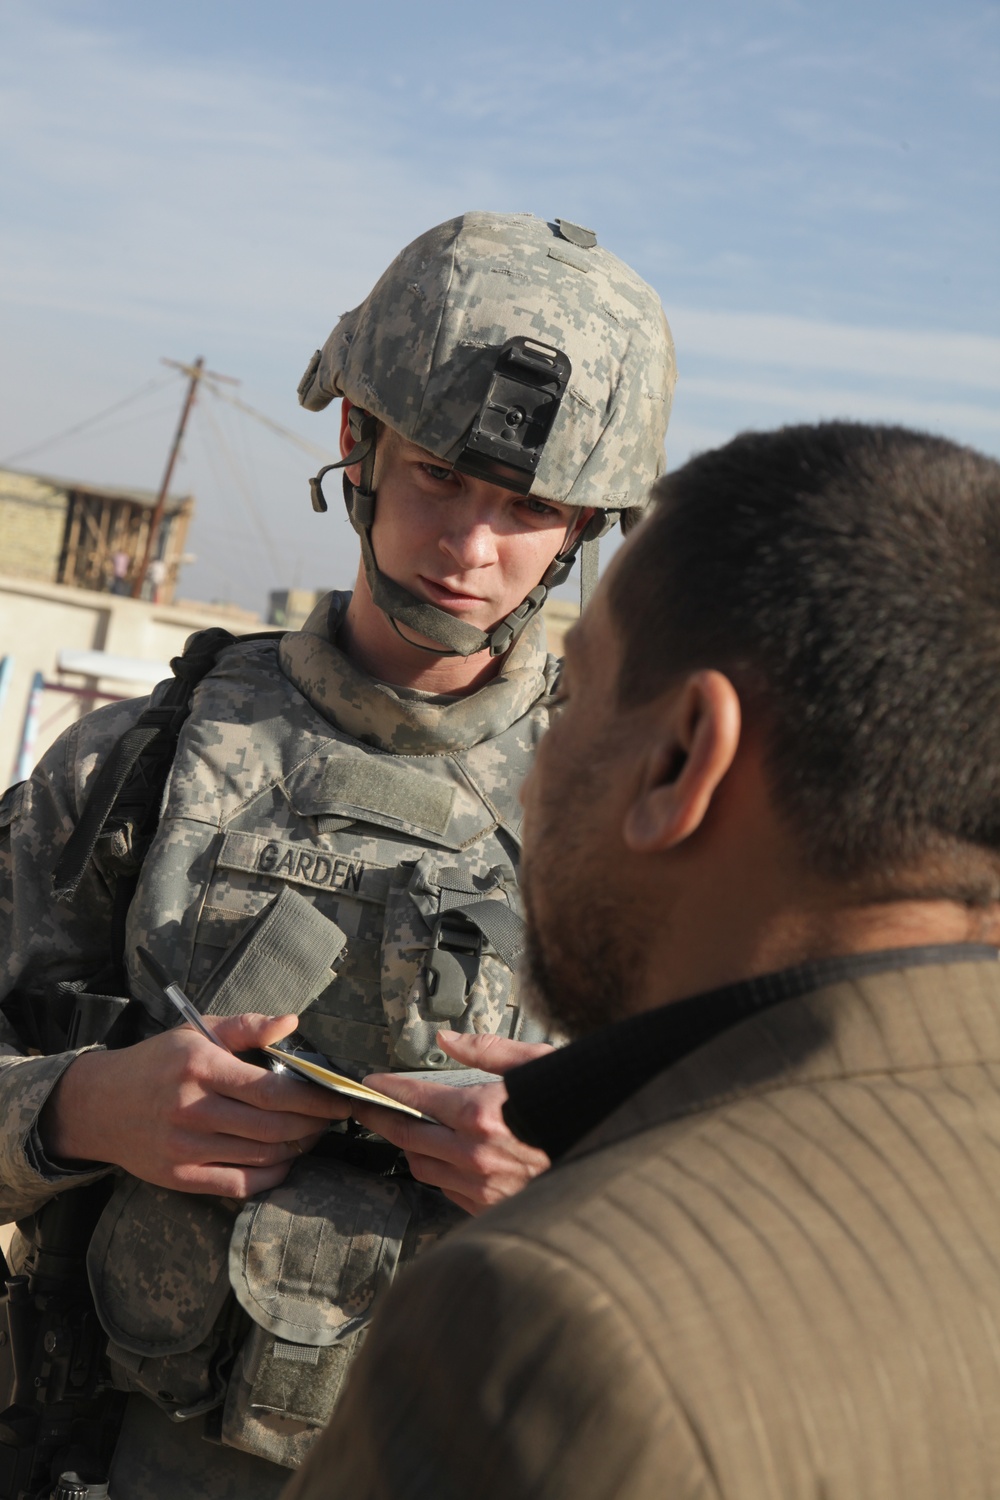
{"points": [[581, 888], [469, 547]]}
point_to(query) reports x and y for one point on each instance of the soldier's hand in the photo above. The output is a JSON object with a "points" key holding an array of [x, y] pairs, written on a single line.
{"points": [[471, 1155], [177, 1111]]}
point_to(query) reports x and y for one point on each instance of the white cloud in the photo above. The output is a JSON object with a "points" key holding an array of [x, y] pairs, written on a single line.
{"points": [[172, 191], [817, 403], [773, 340]]}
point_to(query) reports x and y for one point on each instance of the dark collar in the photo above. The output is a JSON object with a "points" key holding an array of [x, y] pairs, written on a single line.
{"points": [[555, 1100]]}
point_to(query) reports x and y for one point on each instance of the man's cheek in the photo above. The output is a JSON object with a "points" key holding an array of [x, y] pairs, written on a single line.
{"points": [[545, 832]]}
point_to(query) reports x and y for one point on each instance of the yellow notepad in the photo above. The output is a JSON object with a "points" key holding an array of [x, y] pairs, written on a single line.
{"points": [[328, 1079]]}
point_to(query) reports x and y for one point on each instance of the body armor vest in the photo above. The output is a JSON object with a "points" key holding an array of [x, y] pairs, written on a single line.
{"points": [[335, 847], [317, 820]]}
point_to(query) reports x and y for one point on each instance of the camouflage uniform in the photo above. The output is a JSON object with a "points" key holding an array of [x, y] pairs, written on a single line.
{"points": [[314, 817]]}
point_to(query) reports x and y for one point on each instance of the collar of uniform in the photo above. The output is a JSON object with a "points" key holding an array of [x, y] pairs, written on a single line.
{"points": [[557, 1099], [375, 713]]}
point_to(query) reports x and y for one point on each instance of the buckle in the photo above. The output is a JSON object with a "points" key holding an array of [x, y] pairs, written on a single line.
{"points": [[452, 963]]}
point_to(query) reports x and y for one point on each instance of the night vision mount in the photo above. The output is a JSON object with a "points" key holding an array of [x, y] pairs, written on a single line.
{"points": [[510, 431]]}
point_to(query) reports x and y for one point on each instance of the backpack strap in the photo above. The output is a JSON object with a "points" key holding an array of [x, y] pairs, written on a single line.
{"points": [[128, 790], [127, 795]]}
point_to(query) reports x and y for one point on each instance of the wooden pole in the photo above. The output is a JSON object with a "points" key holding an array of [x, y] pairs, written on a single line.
{"points": [[156, 520]]}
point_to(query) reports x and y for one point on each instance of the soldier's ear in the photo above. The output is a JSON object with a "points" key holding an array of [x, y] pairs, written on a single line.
{"points": [[692, 742], [348, 442], [346, 435], [579, 521]]}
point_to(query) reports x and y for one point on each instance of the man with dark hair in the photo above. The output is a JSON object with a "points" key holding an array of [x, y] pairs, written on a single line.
{"points": [[761, 870], [858, 569]]}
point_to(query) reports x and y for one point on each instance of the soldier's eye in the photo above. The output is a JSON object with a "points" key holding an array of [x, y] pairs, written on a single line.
{"points": [[539, 507], [438, 472]]}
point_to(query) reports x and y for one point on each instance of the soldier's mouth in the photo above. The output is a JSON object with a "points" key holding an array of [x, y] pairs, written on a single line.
{"points": [[441, 594]]}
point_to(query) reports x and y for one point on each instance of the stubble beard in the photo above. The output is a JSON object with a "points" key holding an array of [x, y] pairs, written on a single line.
{"points": [[583, 959], [587, 976]]}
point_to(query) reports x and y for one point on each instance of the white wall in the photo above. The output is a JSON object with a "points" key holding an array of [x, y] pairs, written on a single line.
{"points": [[38, 620]]}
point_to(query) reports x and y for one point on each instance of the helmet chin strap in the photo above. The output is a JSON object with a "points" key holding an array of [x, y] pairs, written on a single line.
{"points": [[455, 637]]}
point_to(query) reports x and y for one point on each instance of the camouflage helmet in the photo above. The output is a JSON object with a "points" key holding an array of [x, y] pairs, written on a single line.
{"points": [[515, 350]]}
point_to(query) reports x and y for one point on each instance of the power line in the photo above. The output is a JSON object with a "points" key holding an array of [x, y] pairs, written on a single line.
{"points": [[276, 427], [241, 483], [156, 384], [136, 419]]}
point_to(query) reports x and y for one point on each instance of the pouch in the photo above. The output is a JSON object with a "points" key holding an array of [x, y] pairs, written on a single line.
{"points": [[282, 1394], [307, 1262], [280, 962], [158, 1265]]}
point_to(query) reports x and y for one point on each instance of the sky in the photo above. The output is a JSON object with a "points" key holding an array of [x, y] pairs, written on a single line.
{"points": [[814, 192]]}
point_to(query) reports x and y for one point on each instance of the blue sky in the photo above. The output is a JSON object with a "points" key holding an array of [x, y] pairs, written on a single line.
{"points": [[813, 191]]}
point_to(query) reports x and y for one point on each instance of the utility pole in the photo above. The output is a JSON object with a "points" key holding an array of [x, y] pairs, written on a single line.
{"points": [[156, 520], [194, 373]]}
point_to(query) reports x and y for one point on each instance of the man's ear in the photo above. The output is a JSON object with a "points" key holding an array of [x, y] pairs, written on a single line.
{"points": [[692, 744]]}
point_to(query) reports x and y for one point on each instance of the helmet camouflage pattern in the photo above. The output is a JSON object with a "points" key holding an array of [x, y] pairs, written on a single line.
{"points": [[420, 352]]}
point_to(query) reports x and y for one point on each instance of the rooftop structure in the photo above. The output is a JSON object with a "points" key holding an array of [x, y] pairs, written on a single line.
{"points": [[88, 536]]}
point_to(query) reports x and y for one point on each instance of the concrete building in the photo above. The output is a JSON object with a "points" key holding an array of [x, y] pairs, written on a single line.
{"points": [[85, 535], [42, 625]]}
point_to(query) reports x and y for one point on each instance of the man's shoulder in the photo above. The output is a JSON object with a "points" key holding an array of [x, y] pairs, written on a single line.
{"points": [[803, 1168], [103, 726], [858, 1089], [242, 686], [762, 1248]]}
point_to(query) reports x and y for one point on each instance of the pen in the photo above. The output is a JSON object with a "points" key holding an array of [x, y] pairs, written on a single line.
{"points": [[176, 996]]}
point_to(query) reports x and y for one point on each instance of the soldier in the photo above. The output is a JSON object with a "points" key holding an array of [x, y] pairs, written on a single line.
{"points": [[320, 831]]}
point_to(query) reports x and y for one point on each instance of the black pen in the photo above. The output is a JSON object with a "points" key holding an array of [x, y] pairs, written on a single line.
{"points": [[176, 996]]}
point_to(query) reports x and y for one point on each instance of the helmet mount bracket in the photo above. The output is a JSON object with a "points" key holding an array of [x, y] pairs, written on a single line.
{"points": [[510, 430]]}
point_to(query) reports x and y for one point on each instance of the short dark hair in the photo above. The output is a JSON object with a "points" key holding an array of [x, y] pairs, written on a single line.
{"points": [[846, 577]]}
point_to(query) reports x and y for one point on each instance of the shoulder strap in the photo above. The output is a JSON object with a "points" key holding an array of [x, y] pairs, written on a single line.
{"points": [[128, 789]]}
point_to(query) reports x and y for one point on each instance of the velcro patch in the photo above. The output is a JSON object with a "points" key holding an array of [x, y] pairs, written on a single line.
{"points": [[382, 789]]}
